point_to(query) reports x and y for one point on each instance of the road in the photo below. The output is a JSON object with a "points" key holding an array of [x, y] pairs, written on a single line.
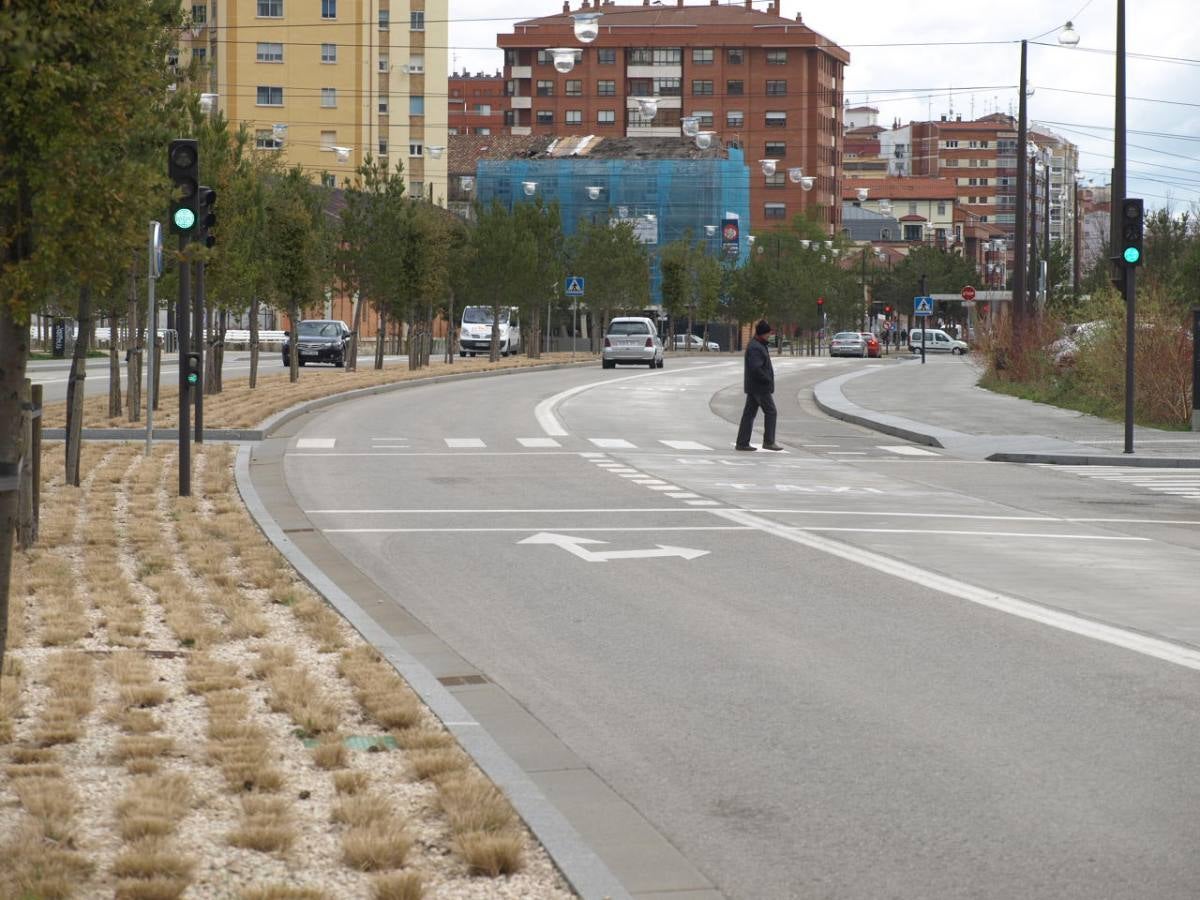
{"points": [[53, 373], [857, 669]]}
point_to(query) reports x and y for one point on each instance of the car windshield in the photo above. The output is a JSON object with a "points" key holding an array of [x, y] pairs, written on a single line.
{"points": [[481, 315], [847, 336], [319, 329], [628, 328]]}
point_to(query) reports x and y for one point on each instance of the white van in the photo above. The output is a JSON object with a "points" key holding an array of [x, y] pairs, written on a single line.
{"points": [[936, 341], [475, 333]]}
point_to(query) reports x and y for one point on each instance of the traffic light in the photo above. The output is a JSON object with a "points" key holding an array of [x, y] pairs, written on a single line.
{"points": [[887, 309], [183, 167], [191, 368], [208, 218], [1132, 223], [820, 304]]}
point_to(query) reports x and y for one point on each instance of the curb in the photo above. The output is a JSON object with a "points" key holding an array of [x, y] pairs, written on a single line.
{"points": [[159, 434], [831, 401], [1067, 459]]}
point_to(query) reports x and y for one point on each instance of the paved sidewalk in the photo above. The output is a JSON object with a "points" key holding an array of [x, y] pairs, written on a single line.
{"points": [[940, 405]]}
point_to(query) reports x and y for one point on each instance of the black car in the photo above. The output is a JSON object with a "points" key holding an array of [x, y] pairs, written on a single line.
{"points": [[318, 340]]}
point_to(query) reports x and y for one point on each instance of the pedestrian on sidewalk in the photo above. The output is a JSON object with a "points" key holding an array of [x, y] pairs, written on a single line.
{"points": [[758, 381]]}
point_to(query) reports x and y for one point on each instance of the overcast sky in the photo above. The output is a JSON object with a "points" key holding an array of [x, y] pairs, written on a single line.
{"points": [[916, 82]]}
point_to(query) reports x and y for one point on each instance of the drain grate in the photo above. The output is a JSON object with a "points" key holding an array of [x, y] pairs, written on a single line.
{"points": [[458, 680], [298, 530]]}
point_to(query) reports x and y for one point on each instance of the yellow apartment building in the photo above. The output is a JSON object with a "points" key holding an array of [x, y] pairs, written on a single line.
{"points": [[324, 82]]}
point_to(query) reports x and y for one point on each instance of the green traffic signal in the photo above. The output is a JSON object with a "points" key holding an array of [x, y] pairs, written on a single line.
{"points": [[185, 218], [1132, 255]]}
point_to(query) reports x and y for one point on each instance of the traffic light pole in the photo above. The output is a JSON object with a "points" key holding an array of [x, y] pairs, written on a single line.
{"points": [[198, 344], [182, 322], [1129, 289]]}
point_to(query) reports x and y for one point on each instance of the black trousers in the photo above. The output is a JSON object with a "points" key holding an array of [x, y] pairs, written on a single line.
{"points": [[754, 402]]}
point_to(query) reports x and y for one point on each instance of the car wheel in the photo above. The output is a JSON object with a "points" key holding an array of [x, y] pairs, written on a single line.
{"points": [[661, 362], [340, 362], [462, 353], [300, 362], [605, 364], [957, 351], [472, 354]]}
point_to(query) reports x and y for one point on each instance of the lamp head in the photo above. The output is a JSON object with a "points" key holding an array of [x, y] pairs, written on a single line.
{"points": [[768, 166], [862, 194], [564, 59], [587, 29], [529, 187], [647, 106], [1068, 36], [704, 139], [593, 192], [690, 125]]}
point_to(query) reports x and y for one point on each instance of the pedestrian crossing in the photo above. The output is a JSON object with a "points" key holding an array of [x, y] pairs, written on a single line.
{"points": [[1181, 483]]}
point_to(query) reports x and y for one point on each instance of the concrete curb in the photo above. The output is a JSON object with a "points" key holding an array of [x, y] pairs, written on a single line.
{"points": [[160, 434], [1068, 459], [831, 401]]}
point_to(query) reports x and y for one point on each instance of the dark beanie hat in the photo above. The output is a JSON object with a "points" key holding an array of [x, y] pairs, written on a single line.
{"points": [[763, 327]]}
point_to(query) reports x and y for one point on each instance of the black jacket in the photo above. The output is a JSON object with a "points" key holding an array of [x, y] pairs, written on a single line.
{"points": [[759, 377]]}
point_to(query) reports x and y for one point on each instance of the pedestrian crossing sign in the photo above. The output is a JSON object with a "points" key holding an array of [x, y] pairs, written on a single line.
{"points": [[922, 306], [574, 286]]}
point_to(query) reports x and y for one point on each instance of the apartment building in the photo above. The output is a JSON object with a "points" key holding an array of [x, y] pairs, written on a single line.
{"points": [[754, 80], [476, 103], [1063, 158], [323, 83]]}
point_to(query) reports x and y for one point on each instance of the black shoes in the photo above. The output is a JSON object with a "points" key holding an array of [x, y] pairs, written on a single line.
{"points": [[771, 447], [744, 447]]}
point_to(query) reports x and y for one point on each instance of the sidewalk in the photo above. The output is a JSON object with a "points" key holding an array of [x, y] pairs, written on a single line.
{"points": [[939, 405]]}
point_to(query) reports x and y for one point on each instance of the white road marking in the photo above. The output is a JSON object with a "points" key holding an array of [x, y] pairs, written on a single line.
{"points": [[315, 443], [538, 442], [685, 445], [847, 452], [663, 487], [702, 502], [907, 450], [613, 443], [574, 546], [924, 578], [526, 529], [459, 454], [683, 495], [457, 510], [464, 442], [986, 534], [590, 455]]}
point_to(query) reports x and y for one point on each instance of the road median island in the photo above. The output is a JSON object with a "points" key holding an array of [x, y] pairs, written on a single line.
{"points": [[181, 712]]}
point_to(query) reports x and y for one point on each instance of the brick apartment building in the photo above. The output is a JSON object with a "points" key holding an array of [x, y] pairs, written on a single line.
{"points": [[758, 81], [477, 103]]}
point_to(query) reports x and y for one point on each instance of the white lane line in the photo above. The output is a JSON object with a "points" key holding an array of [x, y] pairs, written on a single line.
{"points": [[906, 450], [685, 445], [702, 502], [663, 487], [527, 529], [591, 455], [987, 534], [924, 578], [457, 510], [682, 495], [847, 452], [315, 443], [613, 443], [456, 453], [911, 515], [648, 481], [538, 442], [464, 442]]}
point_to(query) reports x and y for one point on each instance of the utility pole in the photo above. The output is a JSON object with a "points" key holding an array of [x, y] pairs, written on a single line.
{"points": [[1021, 263]]}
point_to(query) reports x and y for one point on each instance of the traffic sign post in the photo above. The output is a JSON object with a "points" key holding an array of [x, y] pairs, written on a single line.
{"points": [[574, 288], [923, 307], [968, 293]]}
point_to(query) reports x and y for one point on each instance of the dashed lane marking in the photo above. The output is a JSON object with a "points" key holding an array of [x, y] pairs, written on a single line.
{"points": [[538, 442], [613, 443], [463, 443], [907, 450], [685, 445], [315, 443]]}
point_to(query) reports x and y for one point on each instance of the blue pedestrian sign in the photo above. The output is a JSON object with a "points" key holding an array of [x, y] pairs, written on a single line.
{"points": [[922, 306], [574, 286]]}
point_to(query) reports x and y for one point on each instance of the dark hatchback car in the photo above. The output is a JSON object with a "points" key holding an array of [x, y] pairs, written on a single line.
{"points": [[318, 340]]}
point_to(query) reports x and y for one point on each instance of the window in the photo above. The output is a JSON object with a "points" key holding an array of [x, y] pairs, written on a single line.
{"points": [[606, 56], [702, 88], [385, 20], [941, 207], [328, 9], [329, 53], [777, 120], [776, 88], [328, 140], [702, 56], [735, 118], [269, 96], [735, 88], [776, 57], [574, 117], [667, 87], [383, 146], [481, 131], [949, 145], [545, 117], [912, 209], [777, 180], [328, 98], [912, 232], [655, 56], [270, 9], [328, 180], [199, 14], [705, 116], [482, 109], [264, 139], [416, 65], [574, 87], [269, 53], [774, 211], [735, 56], [199, 54], [415, 148], [416, 189], [416, 105], [952, 163], [385, 64], [606, 88], [383, 106], [416, 20], [545, 88], [775, 150], [606, 117]]}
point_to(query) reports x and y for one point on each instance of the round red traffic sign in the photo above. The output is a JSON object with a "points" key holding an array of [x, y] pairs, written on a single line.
{"points": [[968, 293]]}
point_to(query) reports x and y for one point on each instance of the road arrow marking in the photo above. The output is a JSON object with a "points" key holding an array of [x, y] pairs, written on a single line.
{"points": [[574, 546]]}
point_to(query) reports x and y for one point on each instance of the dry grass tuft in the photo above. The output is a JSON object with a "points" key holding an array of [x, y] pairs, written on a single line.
{"points": [[473, 804], [330, 752], [205, 675], [51, 803], [362, 810], [153, 858], [491, 854], [68, 675], [321, 623], [266, 825], [379, 690], [427, 764], [281, 892], [34, 770], [162, 887], [419, 738], [296, 693], [39, 869], [351, 783], [136, 721], [11, 683], [397, 886], [153, 807], [379, 847]]}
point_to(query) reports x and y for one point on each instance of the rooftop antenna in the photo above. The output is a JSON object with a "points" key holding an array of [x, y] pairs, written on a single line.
{"points": [[972, 107]]}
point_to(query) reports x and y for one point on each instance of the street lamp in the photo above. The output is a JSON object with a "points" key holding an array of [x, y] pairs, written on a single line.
{"points": [[435, 151], [862, 193], [593, 192], [797, 176], [529, 187], [704, 139], [768, 166], [564, 58], [587, 29], [647, 106], [1068, 37], [690, 126]]}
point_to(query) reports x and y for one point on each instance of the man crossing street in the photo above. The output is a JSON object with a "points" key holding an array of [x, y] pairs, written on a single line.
{"points": [[758, 381]]}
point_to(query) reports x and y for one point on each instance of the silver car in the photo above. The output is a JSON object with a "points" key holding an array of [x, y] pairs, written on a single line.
{"points": [[848, 343], [632, 339]]}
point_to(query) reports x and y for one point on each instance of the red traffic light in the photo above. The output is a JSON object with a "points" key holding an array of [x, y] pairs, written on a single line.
{"points": [[820, 301], [887, 310]]}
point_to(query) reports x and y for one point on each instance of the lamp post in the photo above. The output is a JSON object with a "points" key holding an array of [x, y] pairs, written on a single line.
{"points": [[1021, 262]]}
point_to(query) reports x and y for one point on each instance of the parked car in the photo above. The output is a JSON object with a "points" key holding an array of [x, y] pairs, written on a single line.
{"points": [[848, 343], [475, 332], [1066, 349], [694, 342], [318, 340], [632, 339], [936, 341], [874, 348]]}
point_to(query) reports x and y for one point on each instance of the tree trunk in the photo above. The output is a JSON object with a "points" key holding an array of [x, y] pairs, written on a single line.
{"points": [[450, 330], [157, 351], [380, 337], [114, 368], [133, 364], [355, 324], [217, 351], [254, 343], [294, 346], [75, 386], [14, 352]]}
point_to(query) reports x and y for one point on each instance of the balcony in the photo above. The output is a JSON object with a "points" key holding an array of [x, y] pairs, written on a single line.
{"points": [[522, 72], [521, 102], [521, 130], [674, 70]]}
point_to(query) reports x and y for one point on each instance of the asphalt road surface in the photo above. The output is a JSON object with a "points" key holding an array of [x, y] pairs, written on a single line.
{"points": [[856, 669]]}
